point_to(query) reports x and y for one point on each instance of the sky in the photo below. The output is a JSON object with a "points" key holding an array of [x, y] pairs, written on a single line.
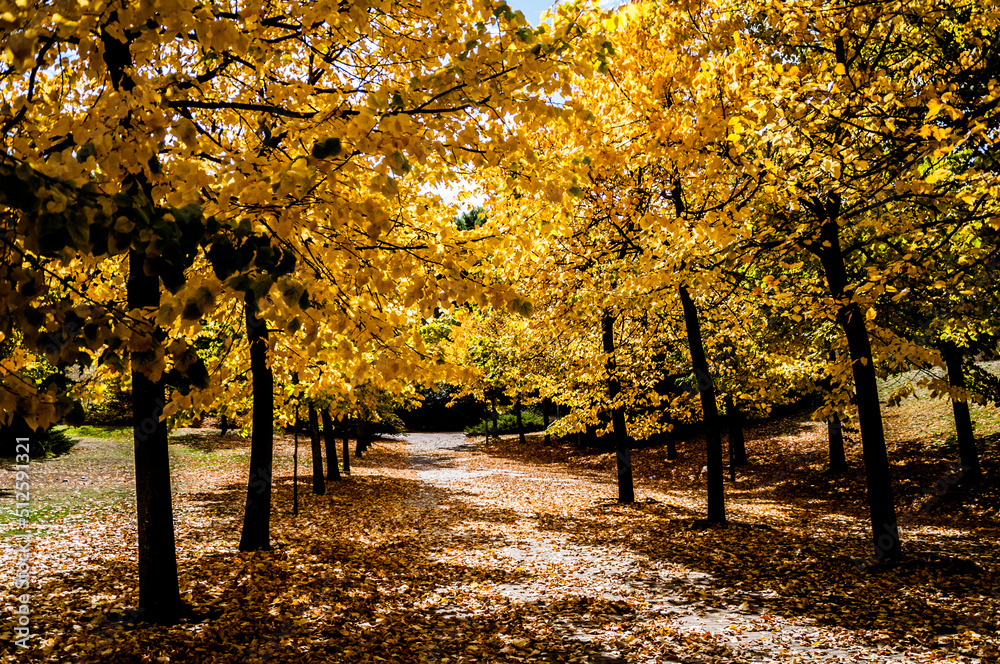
{"points": [[531, 9]]}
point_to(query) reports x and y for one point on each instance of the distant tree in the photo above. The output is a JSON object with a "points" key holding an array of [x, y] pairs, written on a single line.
{"points": [[471, 218]]}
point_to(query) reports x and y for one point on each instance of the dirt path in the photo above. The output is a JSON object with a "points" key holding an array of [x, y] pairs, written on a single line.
{"points": [[530, 520]]}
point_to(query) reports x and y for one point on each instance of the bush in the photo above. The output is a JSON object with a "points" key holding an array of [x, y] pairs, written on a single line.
{"points": [[507, 423], [389, 424], [41, 443]]}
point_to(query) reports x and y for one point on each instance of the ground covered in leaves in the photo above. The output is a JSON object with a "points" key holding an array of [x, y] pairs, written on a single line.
{"points": [[444, 549]]}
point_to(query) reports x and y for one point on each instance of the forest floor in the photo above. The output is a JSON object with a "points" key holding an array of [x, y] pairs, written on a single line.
{"points": [[440, 548]]}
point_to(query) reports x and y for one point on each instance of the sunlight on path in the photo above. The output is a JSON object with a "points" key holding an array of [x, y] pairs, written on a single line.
{"points": [[525, 526]]}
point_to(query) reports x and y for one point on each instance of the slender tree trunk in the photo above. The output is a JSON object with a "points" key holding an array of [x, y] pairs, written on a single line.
{"points": [[671, 445], [545, 421], [319, 485], [295, 466], [835, 432], [496, 419], [159, 594], [734, 418], [878, 475], [359, 444], [967, 452], [710, 411], [224, 424], [257, 514], [332, 464], [347, 451], [520, 422], [623, 452]]}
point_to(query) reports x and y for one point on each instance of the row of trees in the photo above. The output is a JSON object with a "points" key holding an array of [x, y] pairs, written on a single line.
{"points": [[740, 198], [196, 189], [763, 199]]}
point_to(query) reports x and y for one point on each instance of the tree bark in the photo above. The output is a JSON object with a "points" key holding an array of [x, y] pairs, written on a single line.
{"points": [[360, 443], [734, 419], [347, 450], [159, 593], [295, 466], [968, 455], [257, 514], [623, 451], [878, 474], [319, 485], [671, 445], [332, 464], [835, 432], [545, 421], [710, 411], [520, 422], [223, 424]]}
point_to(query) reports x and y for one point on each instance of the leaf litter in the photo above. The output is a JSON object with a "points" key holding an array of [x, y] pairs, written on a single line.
{"points": [[445, 549]]}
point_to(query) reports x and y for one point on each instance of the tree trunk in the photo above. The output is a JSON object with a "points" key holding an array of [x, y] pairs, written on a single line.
{"points": [[545, 421], [671, 445], [520, 422], [835, 432], [295, 466], [967, 452], [710, 411], [734, 418], [878, 475], [359, 444], [224, 424], [347, 451], [623, 452], [257, 514], [496, 419], [332, 464], [319, 485], [159, 594]]}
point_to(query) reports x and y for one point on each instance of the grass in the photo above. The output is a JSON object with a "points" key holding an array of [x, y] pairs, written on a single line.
{"points": [[88, 431]]}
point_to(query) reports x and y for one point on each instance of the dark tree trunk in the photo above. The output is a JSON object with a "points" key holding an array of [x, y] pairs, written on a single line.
{"points": [[257, 515], [623, 449], [332, 464], [295, 466], [671, 445], [496, 419], [835, 432], [359, 444], [319, 485], [967, 452], [545, 421], [159, 594], [520, 422], [347, 450], [710, 411], [878, 475], [737, 443], [224, 424]]}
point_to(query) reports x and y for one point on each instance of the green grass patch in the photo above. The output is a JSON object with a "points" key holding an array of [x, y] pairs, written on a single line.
{"points": [[108, 432]]}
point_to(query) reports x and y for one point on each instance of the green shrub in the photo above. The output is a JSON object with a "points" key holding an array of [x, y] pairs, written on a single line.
{"points": [[41, 443]]}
